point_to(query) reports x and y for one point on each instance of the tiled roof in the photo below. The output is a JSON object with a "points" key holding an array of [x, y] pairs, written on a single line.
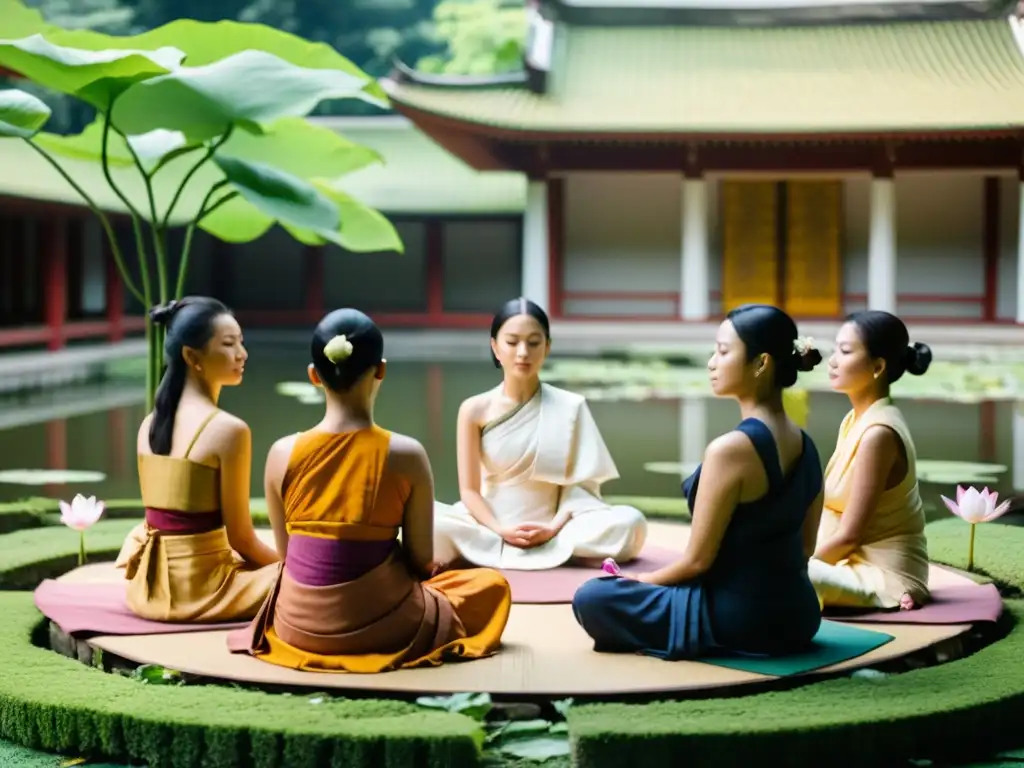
{"points": [[864, 78]]}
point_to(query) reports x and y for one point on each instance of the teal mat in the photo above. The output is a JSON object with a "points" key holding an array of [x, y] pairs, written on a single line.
{"points": [[835, 642]]}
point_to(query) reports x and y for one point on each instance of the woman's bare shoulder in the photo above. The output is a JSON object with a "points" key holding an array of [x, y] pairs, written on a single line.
{"points": [[474, 409], [407, 456]]}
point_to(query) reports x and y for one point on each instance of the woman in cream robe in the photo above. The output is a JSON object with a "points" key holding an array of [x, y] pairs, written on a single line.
{"points": [[543, 461]]}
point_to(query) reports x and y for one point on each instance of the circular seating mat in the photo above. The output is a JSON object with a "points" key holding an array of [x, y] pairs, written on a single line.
{"points": [[545, 653]]}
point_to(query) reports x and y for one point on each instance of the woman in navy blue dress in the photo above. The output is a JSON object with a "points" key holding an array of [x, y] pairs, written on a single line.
{"points": [[741, 586]]}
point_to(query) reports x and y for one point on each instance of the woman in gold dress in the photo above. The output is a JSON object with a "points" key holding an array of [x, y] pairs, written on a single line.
{"points": [[196, 558]]}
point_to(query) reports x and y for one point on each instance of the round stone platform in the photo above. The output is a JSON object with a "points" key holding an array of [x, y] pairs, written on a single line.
{"points": [[545, 653]]}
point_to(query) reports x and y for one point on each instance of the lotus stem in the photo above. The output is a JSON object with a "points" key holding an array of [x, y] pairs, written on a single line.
{"points": [[217, 144], [190, 230], [156, 231], [970, 550], [106, 165], [81, 548]]}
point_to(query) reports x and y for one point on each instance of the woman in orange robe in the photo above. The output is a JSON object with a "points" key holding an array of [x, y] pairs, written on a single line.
{"points": [[352, 507]]}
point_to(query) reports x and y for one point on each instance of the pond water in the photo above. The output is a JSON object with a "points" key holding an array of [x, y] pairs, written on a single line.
{"points": [[653, 434]]}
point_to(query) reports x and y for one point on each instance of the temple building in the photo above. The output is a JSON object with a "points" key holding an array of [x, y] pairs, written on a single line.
{"points": [[656, 160], [823, 156]]}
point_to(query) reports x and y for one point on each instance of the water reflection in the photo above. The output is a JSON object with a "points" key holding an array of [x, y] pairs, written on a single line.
{"points": [[95, 428]]}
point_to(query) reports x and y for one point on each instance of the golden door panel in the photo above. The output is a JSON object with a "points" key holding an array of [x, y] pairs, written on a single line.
{"points": [[749, 243], [813, 262]]}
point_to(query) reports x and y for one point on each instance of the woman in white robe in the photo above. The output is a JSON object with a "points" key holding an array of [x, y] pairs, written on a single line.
{"points": [[531, 465]]}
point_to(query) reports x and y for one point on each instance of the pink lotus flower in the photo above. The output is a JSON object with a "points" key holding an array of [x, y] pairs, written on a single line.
{"points": [[80, 514], [975, 507], [610, 567]]}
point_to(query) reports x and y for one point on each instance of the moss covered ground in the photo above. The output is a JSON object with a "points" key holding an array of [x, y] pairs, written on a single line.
{"points": [[959, 711]]}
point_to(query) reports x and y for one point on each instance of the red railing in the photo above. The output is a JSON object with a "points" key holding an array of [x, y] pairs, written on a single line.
{"points": [[676, 301], [101, 330]]}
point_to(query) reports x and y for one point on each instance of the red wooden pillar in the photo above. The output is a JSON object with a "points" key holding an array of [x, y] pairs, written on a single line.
{"points": [[435, 270], [314, 277], [556, 244], [114, 295], [990, 247], [52, 240]]}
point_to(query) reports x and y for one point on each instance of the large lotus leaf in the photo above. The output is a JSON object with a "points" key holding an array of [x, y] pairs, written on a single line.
{"points": [[159, 145], [17, 20], [21, 114], [291, 144], [363, 230], [205, 43], [301, 148], [93, 76], [278, 196], [87, 145], [247, 90], [237, 221]]}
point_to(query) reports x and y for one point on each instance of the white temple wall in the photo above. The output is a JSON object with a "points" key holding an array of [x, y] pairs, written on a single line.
{"points": [[623, 235]]}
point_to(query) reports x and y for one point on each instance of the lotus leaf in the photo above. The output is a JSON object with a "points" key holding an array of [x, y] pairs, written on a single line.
{"points": [[49, 476], [95, 77], [21, 114], [247, 89], [957, 472], [205, 43], [278, 195], [682, 469]]}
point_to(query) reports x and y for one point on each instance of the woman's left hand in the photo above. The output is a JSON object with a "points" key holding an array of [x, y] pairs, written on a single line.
{"points": [[537, 534]]}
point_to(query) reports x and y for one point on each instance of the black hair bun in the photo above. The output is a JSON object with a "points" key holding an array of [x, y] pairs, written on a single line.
{"points": [[917, 358], [807, 360], [161, 314]]}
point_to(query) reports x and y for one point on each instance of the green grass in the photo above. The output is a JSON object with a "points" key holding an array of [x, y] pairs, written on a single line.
{"points": [[48, 702], [56, 704], [655, 507]]}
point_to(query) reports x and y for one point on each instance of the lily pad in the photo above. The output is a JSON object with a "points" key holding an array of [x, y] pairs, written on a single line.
{"points": [[682, 469], [638, 379], [302, 391], [50, 476], [957, 472]]}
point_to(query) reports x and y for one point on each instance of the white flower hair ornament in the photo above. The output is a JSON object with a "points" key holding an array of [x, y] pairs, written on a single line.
{"points": [[338, 349], [803, 344]]}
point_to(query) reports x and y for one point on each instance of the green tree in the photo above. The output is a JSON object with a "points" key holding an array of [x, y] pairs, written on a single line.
{"points": [[195, 146], [479, 37]]}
